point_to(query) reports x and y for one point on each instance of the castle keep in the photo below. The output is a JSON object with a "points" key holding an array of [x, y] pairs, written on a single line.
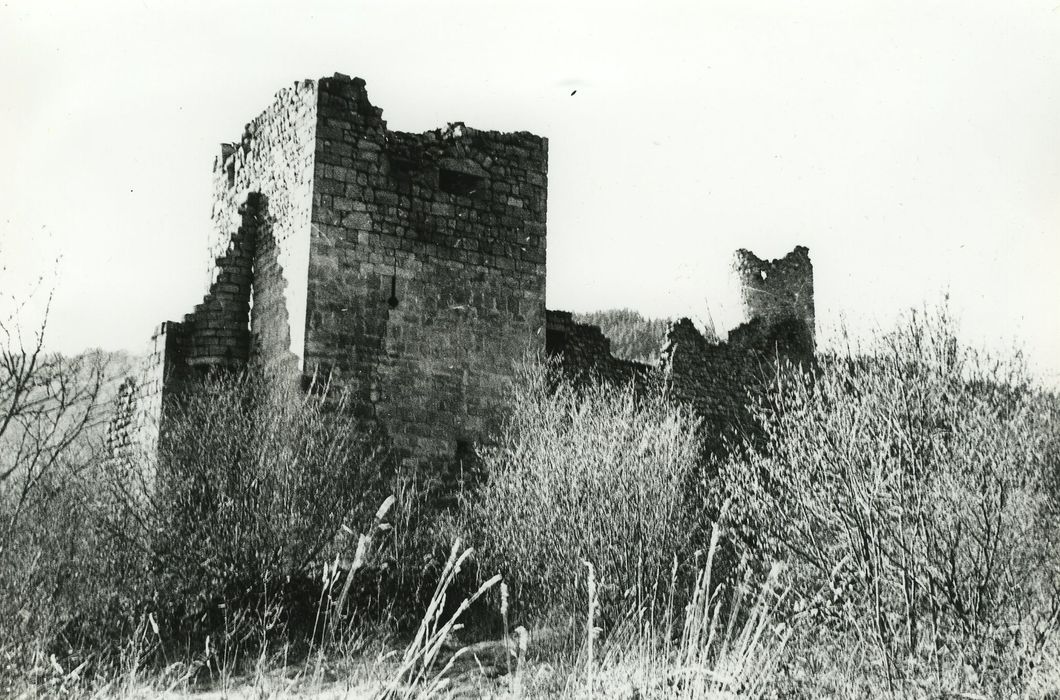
{"points": [[410, 268]]}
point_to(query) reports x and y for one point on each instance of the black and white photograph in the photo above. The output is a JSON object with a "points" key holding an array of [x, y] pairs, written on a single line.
{"points": [[481, 349]]}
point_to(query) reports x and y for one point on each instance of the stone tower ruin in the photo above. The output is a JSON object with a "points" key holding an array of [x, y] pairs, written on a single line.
{"points": [[778, 291], [410, 268]]}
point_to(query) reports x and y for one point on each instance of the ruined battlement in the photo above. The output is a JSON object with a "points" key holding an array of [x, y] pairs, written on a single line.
{"points": [[410, 269], [777, 291]]}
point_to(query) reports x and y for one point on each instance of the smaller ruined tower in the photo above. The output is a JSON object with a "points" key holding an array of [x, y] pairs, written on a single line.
{"points": [[778, 294]]}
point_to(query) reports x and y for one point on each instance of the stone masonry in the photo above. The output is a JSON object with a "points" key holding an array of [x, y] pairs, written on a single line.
{"points": [[410, 268]]}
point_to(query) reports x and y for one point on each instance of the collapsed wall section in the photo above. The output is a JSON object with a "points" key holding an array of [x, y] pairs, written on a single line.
{"points": [[259, 251], [427, 269], [585, 352], [134, 429], [716, 379], [273, 160], [216, 334], [217, 331]]}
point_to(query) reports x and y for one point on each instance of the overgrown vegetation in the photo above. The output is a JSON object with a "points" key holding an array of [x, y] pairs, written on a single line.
{"points": [[48, 405], [907, 488], [254, 482], [896, 509], [219, 534], [594, 473]]}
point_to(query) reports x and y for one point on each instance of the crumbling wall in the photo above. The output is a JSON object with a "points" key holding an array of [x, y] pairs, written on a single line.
{"points": [[777, 291], [133, 431], [716, 379], [427, 268], [217, 331], [273, 160], [215, 335], [259, 252], [585, 352]]}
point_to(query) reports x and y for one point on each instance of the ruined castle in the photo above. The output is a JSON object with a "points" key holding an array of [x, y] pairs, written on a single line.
{"points": [[410, 268]]}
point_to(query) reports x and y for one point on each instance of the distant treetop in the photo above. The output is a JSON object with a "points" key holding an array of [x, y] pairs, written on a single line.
{"points": [[633, 337]]}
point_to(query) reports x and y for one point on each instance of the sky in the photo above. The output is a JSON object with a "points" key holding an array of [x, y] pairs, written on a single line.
{"points": [[914, 147]]}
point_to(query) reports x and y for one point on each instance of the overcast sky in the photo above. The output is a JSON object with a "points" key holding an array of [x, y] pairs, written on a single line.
{"points": [[914, 147]]}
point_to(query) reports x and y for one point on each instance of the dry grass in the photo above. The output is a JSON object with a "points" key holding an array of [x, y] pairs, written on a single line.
{"points": [[880, 483], [707, 650]]}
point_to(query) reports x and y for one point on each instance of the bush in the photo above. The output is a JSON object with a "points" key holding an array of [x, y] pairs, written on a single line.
{"points": [[49, 413], [252, 486], [596, 474], [905, 488]]}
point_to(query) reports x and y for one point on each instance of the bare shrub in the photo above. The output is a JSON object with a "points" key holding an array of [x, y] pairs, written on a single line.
{"points": [[49, 406], [905, 488], [253, 482], [593, 473], [47, 403]]}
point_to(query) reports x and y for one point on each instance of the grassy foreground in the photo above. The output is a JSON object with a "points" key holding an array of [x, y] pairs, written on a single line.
{"points": [[885, 525], [700, 652]]}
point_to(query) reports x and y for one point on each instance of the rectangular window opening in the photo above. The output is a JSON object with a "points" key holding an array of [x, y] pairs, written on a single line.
{"points": [[458, 183]]}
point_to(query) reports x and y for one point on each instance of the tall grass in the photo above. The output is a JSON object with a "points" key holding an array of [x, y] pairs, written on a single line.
{"points": [[724, 643]]}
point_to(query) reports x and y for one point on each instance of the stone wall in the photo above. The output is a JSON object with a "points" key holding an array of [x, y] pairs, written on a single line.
{"points": [[777, 290], [410, 269], [711, 377], [427, 268], [216, 334], [273, 160], [716, 379], [585, 352], [133, 431], [259, 252], [217, 331]]}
